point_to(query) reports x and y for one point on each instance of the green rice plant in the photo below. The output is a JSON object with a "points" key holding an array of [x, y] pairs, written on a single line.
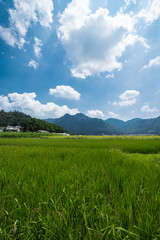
{"points": [[79, 189], [25, 134]]}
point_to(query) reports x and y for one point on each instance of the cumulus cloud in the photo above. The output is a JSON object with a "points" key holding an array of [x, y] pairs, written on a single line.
{"points": [[151, 13], [4, 103], [129, 94], [127, 102], [37, 47], [95, 114], [25, 12], [153, 62], [27, 103], [95, 41], [146, 108], [113, 115], [65, 92], [33, 64], [73, 17], [23, 15], [7, 35], [128, 98], [111, 75]]}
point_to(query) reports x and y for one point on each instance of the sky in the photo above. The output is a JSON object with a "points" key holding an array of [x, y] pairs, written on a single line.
{"points": [[100, 58]]}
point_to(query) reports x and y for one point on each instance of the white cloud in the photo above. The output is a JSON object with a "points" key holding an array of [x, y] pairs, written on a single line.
{"points": [[37, 47], [65, 92], [7, 35], [25, 12], [128, 2], [151, 13], [33, 64], [127, 102], [4, 103], [73, 17], [95, 41], [20, 43], [128, 98], [113, 115], [146, 108], [153, 62], [27, 103], [110, 75], [129, 94], [23, 15], [95, 114]]}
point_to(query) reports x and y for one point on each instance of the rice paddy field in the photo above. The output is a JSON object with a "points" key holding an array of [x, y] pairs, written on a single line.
{"points": [[79, 188]]}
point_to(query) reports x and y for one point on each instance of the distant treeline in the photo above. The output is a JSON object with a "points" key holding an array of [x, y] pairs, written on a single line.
{"points": [[28, 123]]}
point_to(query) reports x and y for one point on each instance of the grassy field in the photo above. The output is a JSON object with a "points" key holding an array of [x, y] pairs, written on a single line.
{"points": [[79, 188]]}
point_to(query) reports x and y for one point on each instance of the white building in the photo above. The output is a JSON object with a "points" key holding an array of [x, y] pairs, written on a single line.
{"points": [[14, 129]]}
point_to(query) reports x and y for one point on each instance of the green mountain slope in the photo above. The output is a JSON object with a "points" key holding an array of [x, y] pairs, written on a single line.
{"points": [[83, 125], [137, 125], [11, 118], [27, 122]]}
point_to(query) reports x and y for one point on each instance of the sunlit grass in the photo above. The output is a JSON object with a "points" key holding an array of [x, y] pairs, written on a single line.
{"points": [[79, 188]]}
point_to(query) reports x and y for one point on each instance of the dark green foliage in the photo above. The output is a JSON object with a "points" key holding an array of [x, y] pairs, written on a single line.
{"points": [[83, 125], [12, 118], [28, 123], [33, 125]]}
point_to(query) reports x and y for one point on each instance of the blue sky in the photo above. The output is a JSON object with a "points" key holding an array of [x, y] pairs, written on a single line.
{"points": [[101, 58]]}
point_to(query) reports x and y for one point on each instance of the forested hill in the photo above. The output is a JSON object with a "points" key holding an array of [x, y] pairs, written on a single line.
{"points": [[12, 118], [27, 122], [83, 125], [137, 125]]}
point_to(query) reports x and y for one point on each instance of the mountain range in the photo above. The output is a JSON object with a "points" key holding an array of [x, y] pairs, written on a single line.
{"points": [[137, 125], [83, 125]]}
